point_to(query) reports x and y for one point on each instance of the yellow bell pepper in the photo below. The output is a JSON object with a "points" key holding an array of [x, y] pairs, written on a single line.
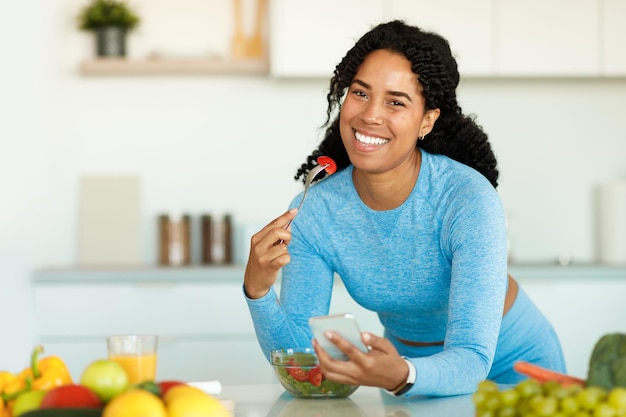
{"points": [[5, 379], [43, 374], [48, 372]]}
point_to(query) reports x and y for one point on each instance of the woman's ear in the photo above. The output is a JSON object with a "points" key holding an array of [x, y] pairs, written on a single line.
{"points": [[428, 122]]}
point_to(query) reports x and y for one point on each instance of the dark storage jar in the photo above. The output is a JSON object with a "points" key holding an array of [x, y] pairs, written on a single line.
{"points": [[174, 239]]}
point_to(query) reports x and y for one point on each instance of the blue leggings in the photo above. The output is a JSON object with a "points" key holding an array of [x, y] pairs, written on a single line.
{"points": [[525, 335]]}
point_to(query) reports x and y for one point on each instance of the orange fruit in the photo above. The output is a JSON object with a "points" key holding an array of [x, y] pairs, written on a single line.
{"points": [[135, 403], [187, 401]]}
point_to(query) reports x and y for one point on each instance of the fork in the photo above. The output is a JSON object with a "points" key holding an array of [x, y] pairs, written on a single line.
{"points": [[307, 183]]}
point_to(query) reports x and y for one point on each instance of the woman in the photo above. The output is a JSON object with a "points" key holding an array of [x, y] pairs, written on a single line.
{"points": [[412, 224]]}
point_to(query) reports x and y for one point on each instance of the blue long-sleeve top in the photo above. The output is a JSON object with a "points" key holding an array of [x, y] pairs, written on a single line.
{"points": [[434, 269]]}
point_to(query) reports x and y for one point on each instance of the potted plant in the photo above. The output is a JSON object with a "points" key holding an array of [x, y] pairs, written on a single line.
{"points": [[111, 20]]}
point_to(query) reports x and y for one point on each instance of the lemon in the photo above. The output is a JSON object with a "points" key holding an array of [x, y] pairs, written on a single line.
{"points": [[187, 401], [183, 391], [135, 403]]}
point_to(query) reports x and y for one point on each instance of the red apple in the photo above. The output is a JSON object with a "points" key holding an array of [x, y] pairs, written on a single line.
{"points": [[71, 396], [166, 385]]}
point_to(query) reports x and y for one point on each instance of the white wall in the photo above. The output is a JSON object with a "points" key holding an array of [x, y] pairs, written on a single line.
{"points": [[555, 141], [216, 144]]}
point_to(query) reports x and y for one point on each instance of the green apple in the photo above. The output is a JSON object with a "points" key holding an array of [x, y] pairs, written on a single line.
{"points": [[105, 377], [28, 401]]}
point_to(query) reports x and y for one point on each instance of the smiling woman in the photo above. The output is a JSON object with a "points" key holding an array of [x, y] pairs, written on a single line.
{"points": [[379, 122], [412, 223]]}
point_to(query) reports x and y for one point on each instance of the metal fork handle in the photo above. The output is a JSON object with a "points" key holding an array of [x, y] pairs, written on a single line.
{"points": [[307, 183]]}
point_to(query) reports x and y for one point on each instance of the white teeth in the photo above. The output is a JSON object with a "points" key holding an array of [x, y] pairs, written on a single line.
{"points": [[369, 140]]}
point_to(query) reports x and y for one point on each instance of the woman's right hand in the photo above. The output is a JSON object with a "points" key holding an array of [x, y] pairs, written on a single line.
{"points": [[267, 256]]}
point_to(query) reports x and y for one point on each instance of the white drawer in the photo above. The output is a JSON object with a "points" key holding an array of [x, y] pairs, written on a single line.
{"points": [[234, 361], [163, 308]]}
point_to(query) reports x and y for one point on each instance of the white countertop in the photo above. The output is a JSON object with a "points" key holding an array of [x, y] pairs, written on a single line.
{"points": [[273, 401], [234, 273]]}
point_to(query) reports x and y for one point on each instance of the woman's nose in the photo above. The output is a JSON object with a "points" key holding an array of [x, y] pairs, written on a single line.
{"points": [[371, 113]]}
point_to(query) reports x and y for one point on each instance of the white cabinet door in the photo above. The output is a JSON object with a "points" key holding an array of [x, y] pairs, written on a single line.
{"points": [[613, 38], [234, 361], [231, 361], [165, 308], [467, 25], [309, 38], [547, 38]]}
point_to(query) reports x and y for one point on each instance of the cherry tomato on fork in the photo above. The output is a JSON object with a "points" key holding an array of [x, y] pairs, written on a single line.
{"points": [[327, 160]]}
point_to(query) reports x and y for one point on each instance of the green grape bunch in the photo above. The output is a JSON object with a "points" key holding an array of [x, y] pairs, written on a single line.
{"points": [[531, 398]]}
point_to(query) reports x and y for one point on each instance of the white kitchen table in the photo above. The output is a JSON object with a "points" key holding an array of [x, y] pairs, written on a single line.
{"points": [[271, 400]]}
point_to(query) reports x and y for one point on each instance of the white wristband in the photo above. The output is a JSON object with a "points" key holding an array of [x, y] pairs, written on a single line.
{"points": [[410, 379], [412, 372]]}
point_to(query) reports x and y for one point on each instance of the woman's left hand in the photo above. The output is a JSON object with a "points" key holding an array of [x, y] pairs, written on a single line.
{"points": [[381, 367]]}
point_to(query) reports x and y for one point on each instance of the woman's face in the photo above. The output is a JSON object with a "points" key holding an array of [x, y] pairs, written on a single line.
{"points": [[383, 114]]}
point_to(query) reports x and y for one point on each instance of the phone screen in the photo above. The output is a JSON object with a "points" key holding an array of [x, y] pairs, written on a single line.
{"points": [[345, 325]]}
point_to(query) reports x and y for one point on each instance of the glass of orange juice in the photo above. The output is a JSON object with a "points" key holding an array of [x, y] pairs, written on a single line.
{"points": [[137, 354]]}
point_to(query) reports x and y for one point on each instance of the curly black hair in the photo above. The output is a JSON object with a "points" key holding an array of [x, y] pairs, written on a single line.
{"points": [[454, 134]]}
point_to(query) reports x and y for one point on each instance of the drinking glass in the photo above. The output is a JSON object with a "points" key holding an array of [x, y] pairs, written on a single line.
{"points": [[137, 354]]}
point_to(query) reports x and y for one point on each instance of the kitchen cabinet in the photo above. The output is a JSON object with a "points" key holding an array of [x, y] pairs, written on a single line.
{"points": [[202, 320], [547, 38], [308, 39], [489, 38], [199, 314], [471, 37], [613, 36], [206, 332], [511, 39]]}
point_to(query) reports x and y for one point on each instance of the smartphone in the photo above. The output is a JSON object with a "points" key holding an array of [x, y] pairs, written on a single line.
{"points": [[345, 325]]}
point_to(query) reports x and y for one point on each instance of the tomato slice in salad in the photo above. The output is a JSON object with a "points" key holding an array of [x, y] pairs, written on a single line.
{"points": [[299, 374], [327, 160], [315, 376]]}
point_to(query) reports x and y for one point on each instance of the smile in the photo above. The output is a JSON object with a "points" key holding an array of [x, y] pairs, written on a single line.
{"points": [[368, 140]]}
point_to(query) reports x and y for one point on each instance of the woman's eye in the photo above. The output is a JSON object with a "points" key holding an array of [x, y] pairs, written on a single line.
{"points": [[359, 93], [396, 103]]}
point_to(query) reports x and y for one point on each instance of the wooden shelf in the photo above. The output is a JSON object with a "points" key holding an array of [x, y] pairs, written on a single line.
{"points": [[199, 66]]}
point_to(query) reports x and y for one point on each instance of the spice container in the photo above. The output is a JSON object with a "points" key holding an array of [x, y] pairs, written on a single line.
{"points": [[217, 240], [227, 239], [174, 239], [206, 222]]}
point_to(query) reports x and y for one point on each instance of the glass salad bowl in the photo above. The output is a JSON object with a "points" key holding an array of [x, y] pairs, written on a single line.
{"points": [[299, 373]]}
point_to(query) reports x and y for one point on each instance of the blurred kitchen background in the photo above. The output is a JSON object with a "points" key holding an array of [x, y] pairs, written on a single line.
{"points": [[546, 79]]}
